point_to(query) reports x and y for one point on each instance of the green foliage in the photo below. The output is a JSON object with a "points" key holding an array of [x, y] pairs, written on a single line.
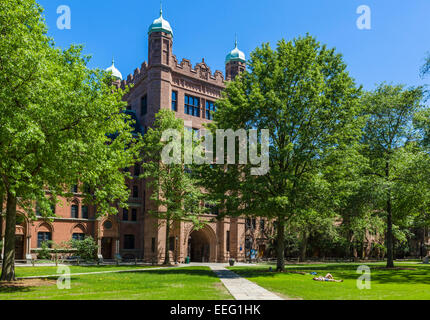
{"points": [[60, 122], [45, 251], [86, 249], [175, 192], [303, 94], [57, 117]]}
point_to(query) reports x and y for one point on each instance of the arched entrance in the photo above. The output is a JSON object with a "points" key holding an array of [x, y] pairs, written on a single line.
{"points": [[202, 246]]}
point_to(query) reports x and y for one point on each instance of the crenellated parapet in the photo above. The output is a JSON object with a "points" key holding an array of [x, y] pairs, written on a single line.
{"points": [[138, 74], [201, 71]]}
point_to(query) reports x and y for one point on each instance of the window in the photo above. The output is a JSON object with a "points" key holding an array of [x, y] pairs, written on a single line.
{"points": [[135, 192], [144, 105], [75, 211], [228, 241], [133, 214], [136, 170], [248, 223], [210, 109], [174, 101], [87, 188], [84, 212], [192, 106], [74, 188], [125, 214], [78, 236], [53, 208], [213, 209], [172, 243], [107, 225], [195, 133], [262, 226], [129, 241], [153, 245], [43, 237]]}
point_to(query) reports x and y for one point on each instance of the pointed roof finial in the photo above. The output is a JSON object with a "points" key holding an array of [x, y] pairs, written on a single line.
{"points": [[113, 60], [161, 8]]}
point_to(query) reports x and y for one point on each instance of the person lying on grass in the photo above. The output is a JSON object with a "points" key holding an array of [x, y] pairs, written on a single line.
{"points": [[328, 277]]}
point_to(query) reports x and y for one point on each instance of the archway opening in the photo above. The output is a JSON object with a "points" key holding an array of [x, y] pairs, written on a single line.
{"points": [[200, 246]]}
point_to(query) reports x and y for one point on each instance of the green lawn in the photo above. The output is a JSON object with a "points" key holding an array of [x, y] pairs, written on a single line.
{"points": [[46, 271], [195, 283], [385, 284]]}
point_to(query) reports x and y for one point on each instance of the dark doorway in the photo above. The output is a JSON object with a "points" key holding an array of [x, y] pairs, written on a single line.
{"points": [[107, 248], [19, 247], [198, 247]]}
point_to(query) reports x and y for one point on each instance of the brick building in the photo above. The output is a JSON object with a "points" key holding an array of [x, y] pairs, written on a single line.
{"points": [[191, 92]]}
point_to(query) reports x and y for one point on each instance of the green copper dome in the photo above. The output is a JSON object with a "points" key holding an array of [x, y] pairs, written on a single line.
{"points": [[235, 55], [115, 72], [160, 25]]}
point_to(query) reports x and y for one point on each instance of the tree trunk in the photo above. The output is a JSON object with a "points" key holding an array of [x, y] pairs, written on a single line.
{"points": [[303, 246], [389, 236], [280, 246], [167, 253], [1, 214], [8, 269], [390, 251]]}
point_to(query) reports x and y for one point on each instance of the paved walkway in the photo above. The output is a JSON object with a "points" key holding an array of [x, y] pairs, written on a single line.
{"points": [[241, 288]]}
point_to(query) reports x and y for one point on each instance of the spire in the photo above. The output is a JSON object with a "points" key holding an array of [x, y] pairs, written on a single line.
{"points": [[160, 24], [235, 54], [115, 71]]}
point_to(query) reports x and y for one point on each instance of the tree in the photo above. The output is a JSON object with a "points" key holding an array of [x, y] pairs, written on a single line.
{"points": [[303, 94], [388, 133], [175, 191], [60, 123]]}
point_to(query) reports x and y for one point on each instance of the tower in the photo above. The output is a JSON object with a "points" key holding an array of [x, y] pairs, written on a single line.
{"points": [[235, 63], [160, 42]]}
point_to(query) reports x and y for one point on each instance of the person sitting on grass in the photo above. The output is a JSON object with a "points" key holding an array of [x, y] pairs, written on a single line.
{"points": [[328, 277]]}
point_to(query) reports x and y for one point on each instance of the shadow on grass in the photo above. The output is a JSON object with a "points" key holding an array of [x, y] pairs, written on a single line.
{"points": [[13, 289], [182, 271], [416, 275]]}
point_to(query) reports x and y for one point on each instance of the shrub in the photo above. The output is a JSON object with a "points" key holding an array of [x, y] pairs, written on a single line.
{"points": [[44, 252], [85, 249]]}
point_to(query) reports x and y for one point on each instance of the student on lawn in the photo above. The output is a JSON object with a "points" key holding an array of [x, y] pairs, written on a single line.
{"points": [[328, 277]]}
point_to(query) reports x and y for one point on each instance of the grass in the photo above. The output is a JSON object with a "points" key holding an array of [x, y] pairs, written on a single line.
{"points": [[194, 283], [46, 271], [386, 284]]}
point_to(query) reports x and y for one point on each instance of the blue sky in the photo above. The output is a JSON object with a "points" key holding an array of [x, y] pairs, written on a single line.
{"points": [[392, 51]]}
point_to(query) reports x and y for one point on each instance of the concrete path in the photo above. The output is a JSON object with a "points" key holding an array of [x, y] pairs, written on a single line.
{"points": [[241, 288]]}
